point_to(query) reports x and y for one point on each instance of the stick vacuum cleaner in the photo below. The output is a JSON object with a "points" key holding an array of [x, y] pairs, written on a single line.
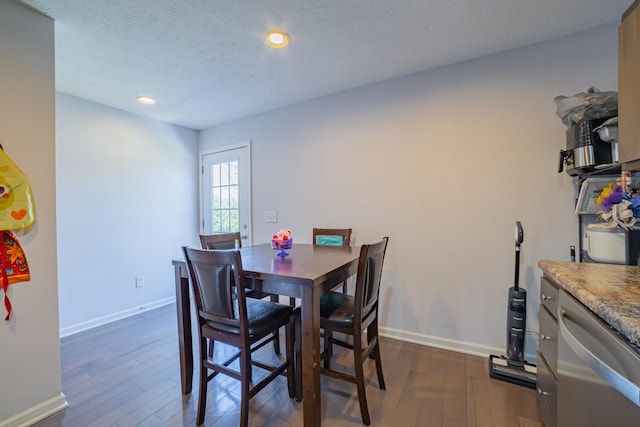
{"points": [[513, 368]]}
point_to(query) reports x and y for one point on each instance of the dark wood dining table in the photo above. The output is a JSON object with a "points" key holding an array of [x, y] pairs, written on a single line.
{"points": [[306, 273]]}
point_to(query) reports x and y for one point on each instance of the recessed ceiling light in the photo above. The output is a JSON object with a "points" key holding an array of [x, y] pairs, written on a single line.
{"points": [[277, 39], [146, 100]]}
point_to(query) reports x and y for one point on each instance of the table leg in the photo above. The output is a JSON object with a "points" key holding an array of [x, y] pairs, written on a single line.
{"points": [[183, 308], [311, 356]]}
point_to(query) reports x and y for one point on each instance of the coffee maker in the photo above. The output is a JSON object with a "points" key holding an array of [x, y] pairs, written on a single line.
{"points": [[586, 152]]}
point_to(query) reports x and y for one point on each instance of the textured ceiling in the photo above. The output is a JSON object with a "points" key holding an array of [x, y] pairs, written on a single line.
{"points": [[206, 64]]}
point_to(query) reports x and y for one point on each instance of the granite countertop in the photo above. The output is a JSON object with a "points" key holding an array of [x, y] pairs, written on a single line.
{"points": [[610, 291]]}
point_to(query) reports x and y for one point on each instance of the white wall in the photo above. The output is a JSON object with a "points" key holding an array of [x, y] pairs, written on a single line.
{"points": [[127, 201], [444, 162], [29, 346]]}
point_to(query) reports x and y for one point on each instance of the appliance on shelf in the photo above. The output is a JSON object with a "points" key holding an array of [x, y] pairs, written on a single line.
{"points": [[586, 153], [601, 244]]}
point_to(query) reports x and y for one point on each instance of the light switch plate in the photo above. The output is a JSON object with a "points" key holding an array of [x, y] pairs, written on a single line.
{"points": [[270, 216]]}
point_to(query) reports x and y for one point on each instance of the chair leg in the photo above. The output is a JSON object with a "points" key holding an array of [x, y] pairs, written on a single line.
{"points": [[359, 376], [289, 334], [276, 335], [328, 348], [372, 333], [362, 395], [276, 343], [211, 348], [298, 358], [379, 367], [202, 393], [245, 368]]}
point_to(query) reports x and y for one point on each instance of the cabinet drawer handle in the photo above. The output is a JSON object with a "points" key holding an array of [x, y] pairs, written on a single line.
{"points": [[546, 297], [543, 393], [544, 337]]}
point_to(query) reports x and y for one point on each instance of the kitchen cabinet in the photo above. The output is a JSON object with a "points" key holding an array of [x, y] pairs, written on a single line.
{"points": [[589, 351], [629, 88], [547, 381]]}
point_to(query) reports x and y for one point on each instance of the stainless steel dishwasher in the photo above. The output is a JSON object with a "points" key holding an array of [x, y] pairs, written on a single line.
{"points": [[598, 371]]}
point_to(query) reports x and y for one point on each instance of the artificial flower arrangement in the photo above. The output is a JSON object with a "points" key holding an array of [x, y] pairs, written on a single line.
{"points": [[617, 206], [281, 240]]}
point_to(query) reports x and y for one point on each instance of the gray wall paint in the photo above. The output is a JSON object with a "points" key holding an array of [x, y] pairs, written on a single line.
{"points": [[444, 162], [127, 201], [29, 345]]}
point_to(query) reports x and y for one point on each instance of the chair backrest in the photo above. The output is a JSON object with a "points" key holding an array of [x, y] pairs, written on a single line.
{"points": [[332, 236], [212, 273], [368, 278], [221, 241]]}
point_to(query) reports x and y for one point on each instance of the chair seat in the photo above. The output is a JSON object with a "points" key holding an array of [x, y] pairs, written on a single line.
{"points": [[250, 293], [262, 317], [337, 308]]}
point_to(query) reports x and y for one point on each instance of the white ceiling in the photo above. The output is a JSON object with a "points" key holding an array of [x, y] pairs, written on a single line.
{"points": [[206, 64]]}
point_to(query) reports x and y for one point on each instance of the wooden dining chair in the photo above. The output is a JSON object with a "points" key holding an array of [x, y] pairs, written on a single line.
{"points": [[230, 240], [352, 315], [233, 240], [227, 316], [333, 237]]}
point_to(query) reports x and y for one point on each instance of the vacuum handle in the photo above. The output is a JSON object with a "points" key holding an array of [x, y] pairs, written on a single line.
{"points": [[519, 234], [517, 273]]}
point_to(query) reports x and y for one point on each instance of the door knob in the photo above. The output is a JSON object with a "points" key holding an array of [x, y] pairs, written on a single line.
{"points": [[542, 393]]}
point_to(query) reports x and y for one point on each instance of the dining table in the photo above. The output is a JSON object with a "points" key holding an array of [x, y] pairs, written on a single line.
{"points": [[307, 272]]}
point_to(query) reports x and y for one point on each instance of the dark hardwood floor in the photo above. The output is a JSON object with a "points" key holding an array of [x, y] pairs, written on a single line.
{"points": [[127, 374]]}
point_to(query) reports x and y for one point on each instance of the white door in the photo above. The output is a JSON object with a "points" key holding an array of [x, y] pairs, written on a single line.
{"points": [[226, 190]]}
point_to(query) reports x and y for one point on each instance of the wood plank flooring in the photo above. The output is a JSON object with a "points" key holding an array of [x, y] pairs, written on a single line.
{"points": [[127, 374]]}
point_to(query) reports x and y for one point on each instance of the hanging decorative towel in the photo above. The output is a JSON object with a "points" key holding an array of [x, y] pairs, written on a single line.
{"points": [[16, 202], [16, 212], [13, 266]]}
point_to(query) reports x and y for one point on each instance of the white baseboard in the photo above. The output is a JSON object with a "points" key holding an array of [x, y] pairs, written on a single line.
{"points": [[80, 327], [36, 413], [445, 343]]}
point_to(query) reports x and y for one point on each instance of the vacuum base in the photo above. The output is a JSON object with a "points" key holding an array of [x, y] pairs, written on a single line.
{"points": [[524, 375]]}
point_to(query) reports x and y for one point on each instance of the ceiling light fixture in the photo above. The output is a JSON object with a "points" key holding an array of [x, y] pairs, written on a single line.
{"points": [[277, 39], [146, 100]]}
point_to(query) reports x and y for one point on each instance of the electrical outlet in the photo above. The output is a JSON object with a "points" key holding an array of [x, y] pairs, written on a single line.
{"points": [[270, 216], [139, 281]]}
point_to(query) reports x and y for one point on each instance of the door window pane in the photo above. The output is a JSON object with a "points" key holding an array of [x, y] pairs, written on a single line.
{"points": [[224, 197]]}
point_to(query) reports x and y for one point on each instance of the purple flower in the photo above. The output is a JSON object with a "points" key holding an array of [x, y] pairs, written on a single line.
{"points": [[612, 199]]}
